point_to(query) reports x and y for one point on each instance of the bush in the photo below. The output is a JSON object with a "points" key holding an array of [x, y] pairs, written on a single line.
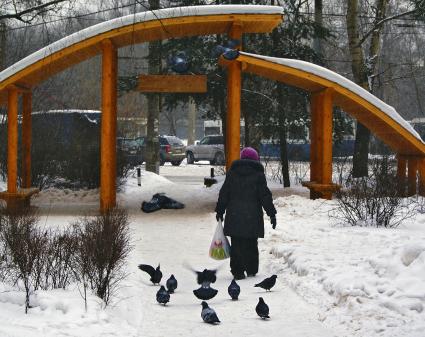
{"points": [[373, 201], [60, 260], [103, 246], [23, 245]]}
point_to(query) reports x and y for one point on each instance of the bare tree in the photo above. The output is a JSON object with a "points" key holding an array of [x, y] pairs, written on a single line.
{"points": [[364, 53], [27, 10]]}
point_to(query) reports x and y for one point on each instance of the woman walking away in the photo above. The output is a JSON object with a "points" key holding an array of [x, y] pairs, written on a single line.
{"points": [[243, 196]]}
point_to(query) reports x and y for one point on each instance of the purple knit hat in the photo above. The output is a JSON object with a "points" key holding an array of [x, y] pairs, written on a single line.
{"points": [[249, 153]]}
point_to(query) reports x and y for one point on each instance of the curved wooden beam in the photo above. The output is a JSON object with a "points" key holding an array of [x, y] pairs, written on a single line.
{"points": [[138, 28], [367, 109]]}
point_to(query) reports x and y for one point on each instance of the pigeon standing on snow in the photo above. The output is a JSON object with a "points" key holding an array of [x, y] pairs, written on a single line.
{"points": [[205, 293], [171, 284], [267, 283], [262, 309], [208, 314], [234, 290], [162, 296], [155, 274]]}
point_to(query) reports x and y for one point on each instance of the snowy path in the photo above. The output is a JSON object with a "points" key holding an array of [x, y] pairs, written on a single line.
{"points": [[189, 243], [332, 281]]}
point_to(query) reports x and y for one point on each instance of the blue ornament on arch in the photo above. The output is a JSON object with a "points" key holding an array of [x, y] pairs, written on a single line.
{"points": [[179, 63]]}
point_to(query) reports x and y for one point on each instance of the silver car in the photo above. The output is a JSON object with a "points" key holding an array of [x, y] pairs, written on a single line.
{"points": [[209, 148]]}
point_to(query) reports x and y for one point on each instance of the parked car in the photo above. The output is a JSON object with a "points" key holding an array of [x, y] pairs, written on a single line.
{"points": [[131, 150], [171, 149], [209, 148]]}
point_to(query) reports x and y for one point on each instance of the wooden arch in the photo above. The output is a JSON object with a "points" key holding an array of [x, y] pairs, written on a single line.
{"points": [[105, 38], [330, 89]]}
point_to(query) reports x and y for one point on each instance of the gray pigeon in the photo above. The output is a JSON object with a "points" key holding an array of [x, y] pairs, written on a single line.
{"points": [[267, 283], [208, 314], [162, 296], [234, 290], [171, 284], [262, 309]]}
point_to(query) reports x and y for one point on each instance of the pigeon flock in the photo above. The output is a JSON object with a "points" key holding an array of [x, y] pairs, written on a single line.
{"points": [[206, 292]]}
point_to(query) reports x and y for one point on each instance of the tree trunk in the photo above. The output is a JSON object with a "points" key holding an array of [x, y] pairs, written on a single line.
{"points": [[191, 122], [154, 105], [2, 45], [318, 19], [282, 127], [362, 72], [358, 67]]}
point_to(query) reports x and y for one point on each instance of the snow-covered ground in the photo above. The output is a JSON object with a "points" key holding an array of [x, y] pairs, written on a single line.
{"points": [[332, 281]]}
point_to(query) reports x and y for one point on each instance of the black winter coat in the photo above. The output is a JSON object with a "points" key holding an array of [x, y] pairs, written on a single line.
{"points": [[243, 196]]}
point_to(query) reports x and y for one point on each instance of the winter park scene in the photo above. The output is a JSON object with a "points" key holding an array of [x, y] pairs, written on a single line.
{"points": [[212, 168]]}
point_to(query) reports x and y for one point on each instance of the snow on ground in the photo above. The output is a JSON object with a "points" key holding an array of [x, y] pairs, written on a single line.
{"points": [[369, 281], [332, 281]]}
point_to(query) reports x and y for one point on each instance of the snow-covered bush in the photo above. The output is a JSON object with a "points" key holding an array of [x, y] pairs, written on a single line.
{"points": [[373, 201], [102, 249]]}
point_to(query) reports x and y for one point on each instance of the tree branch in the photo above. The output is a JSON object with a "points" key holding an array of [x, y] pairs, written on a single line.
{"points": [[18, 15], [381, 22]]}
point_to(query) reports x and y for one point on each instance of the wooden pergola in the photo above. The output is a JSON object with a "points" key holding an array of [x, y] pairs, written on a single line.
{"points": [[233, 20], [329, 89], [105, 39]]}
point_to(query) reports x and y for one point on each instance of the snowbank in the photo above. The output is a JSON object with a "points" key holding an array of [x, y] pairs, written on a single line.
{"points": [[372, 281]]}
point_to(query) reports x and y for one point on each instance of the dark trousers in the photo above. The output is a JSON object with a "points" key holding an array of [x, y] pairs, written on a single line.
{"points": [[243, 256]]}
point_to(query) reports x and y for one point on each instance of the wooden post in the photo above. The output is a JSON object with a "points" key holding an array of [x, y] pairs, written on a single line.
{"points": [[108, 127], [401, 174], [233, 117], [315, 144], [26, 139], [321, 141], [421, 171], [12, 140], [412, 169]]}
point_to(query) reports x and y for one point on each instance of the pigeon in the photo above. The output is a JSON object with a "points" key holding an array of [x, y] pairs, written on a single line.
{"points": [[208, 314], [162, 296], [171, 284], [155, 274], [262, 309], [234, 290], [267, 283], [206, 277], [205, 293]]}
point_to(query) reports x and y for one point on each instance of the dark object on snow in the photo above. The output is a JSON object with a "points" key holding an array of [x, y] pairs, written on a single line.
{"points": [[162, 296], [160, 201], [155, 274], [205, 293], [171, 284], [208, 314], [267, 283], [208, 181], [234, 290], [262, 309]]}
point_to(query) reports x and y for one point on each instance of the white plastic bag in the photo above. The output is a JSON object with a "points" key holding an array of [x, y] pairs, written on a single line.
{"points": [[220, 246]]}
